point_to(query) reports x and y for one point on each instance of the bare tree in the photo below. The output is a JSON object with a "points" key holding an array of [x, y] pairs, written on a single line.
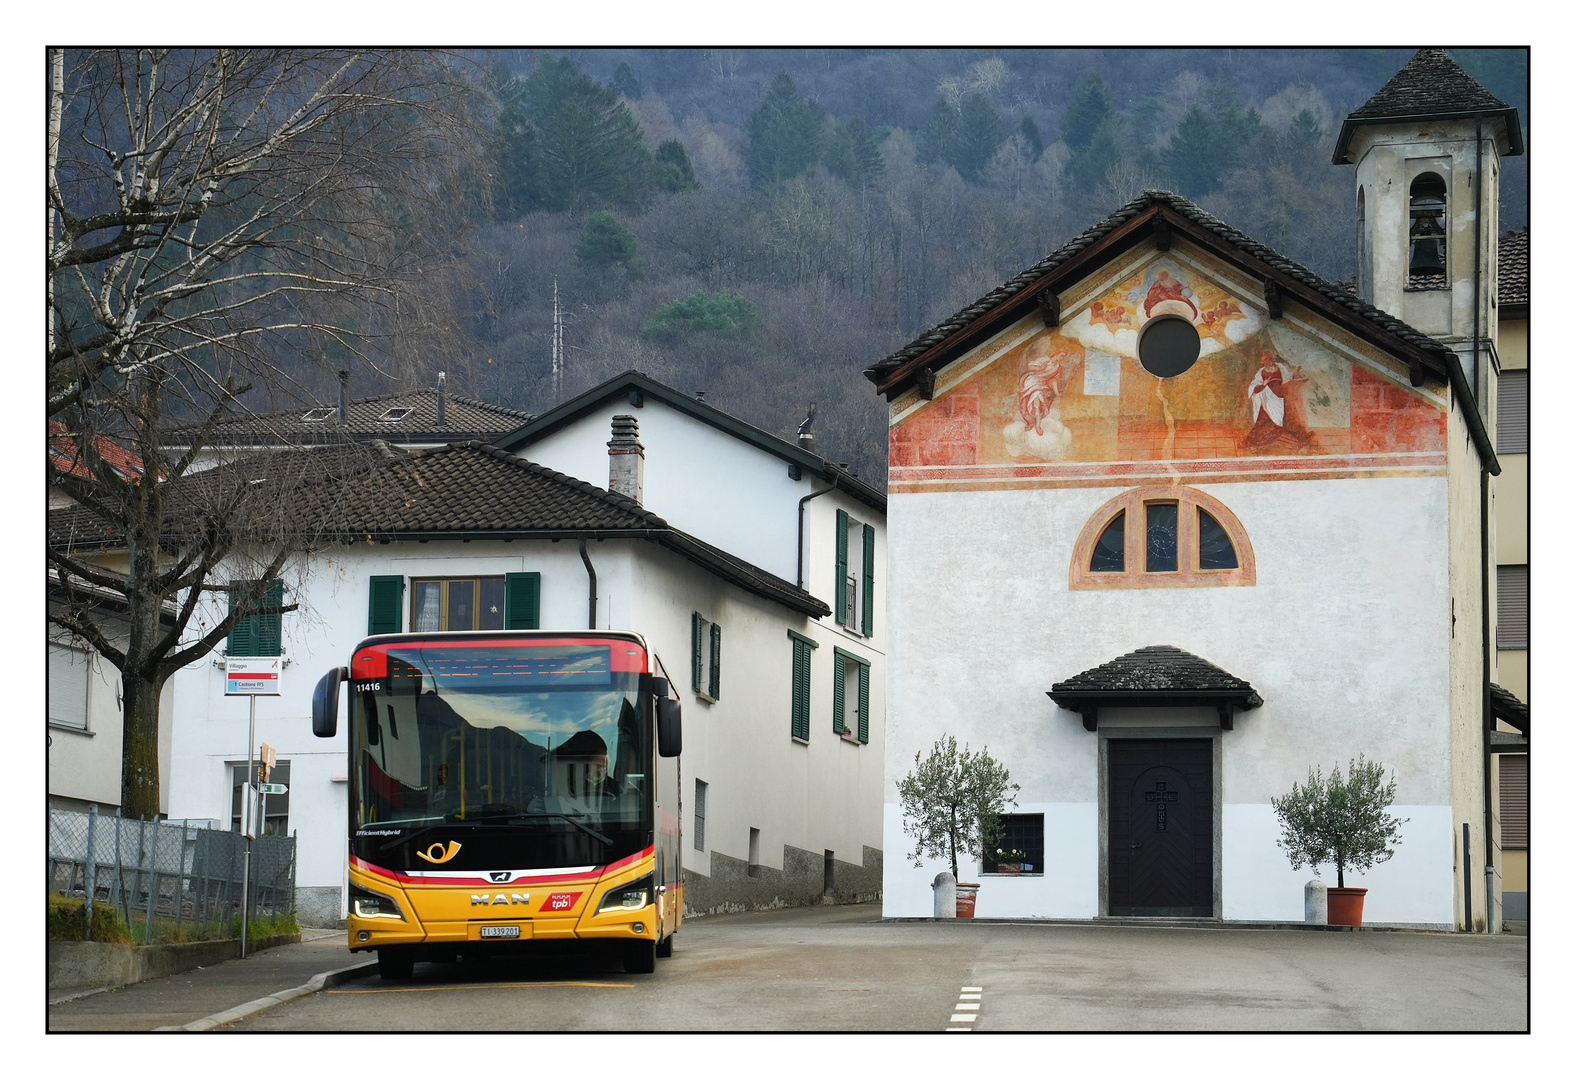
{"points": [[219, 219]]}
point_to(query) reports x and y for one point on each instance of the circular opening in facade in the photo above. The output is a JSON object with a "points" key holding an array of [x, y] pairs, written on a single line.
{"points": [[1168, 346]]}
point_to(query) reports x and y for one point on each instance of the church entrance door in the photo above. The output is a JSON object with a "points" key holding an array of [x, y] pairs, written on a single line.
{"points": [[1160, 827]]}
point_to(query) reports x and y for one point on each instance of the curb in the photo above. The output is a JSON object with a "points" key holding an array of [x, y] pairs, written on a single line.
{"points": [[251, 1008]]}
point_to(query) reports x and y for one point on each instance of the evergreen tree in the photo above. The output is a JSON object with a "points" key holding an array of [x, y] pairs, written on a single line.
{"points": [[965, 137], [785, 132], [1087, 168], [568, 143], [606, 243], [1206, 146], [624, 82], [853, 154], [674, 170], [1031, 138], [723, 314], [1092, 106]]}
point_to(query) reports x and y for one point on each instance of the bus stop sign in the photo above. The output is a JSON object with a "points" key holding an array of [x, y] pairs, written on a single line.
{"points": [[251, 676]]}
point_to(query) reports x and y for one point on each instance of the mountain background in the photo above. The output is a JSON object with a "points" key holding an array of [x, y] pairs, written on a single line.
{"points": [[760, 225]]}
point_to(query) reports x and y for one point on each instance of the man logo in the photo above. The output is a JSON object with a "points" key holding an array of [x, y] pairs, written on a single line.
{"points": [[501, 875], [437, 853]]}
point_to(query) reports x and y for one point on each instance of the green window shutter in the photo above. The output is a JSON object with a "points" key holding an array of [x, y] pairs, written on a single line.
{"points": [[695, 649], [868, 616], [715, 683], [522, 601], [839, 677], [801, 690], [841, 588], [385, 604], [243, 634], [864, 703], [270, 628], [257, 635]]}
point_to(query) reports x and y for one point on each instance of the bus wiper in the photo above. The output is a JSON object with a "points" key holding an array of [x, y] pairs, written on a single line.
{"points": [[588, 830]]}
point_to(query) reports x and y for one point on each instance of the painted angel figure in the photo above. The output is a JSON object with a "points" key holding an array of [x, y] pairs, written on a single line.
{"points": [[1165, 288], [1217, 318], [1042, 382]]}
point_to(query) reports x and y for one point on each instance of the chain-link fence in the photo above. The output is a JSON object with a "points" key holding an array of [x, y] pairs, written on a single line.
{"points": [[167, 880]]}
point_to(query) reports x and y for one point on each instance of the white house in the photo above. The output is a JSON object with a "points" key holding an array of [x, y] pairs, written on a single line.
{"points": [[778, 809], [1174, 520]]}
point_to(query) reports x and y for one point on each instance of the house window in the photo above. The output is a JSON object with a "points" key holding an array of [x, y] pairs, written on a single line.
{"points": [[276, 808], [1159, 537], [1426, 255], [851, 696], [1513, 800], [457, 604], [800, 708], [705, 657], [855, 583], [259, 634], [1021, 849], [69, 669], [700, 815], [1514, 628]]}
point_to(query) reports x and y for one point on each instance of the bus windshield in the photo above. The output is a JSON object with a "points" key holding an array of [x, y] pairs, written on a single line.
{"points": [[534, 739]]}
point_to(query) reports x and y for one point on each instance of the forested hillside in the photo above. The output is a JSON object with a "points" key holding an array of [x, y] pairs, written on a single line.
{"points": [[762, 225]]}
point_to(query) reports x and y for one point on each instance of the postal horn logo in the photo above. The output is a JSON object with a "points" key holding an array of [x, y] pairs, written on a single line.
{"points": [[437, 853]]}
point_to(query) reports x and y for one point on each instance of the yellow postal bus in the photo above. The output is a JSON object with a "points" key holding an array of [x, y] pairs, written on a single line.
{"points": [[508, 787]]}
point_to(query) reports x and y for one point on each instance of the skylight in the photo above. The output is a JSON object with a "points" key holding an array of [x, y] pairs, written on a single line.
{"points": [[394, 415], [317, 416]]}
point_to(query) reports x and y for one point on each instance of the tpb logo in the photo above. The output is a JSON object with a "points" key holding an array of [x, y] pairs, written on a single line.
{"points": [[560, 901]]}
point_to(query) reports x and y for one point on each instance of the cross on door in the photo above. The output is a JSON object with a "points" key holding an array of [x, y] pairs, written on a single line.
{"points": [[1160, 796]]}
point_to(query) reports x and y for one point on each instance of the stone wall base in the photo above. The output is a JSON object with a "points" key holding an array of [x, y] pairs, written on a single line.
{"points": [[91, 964], [320, 906], [735, 885]]}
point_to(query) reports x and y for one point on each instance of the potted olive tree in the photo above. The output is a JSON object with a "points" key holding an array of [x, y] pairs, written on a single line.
{"points": [[952, 803], [1340, 821]]}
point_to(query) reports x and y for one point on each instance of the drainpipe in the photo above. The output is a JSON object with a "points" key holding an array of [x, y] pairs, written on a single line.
{"points": [[1483, 495], [807, 498], [590, 573]]}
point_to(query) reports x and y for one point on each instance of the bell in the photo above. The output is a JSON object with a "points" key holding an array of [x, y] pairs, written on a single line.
{"points": [[1427, 256]]}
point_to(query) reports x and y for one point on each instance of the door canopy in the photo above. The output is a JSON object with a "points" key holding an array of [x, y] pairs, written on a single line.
{"points": [[1157, 676]]}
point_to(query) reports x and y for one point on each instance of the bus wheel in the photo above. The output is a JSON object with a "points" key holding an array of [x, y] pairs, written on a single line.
{"points": [[395, 963], [640, 957], [665, 946]]}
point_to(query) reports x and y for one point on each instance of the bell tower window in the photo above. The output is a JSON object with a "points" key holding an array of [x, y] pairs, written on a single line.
{"points": [[1426, 236]]}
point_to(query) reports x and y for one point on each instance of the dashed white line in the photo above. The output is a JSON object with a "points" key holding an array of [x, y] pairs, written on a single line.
{"points": [[966, 1011]]}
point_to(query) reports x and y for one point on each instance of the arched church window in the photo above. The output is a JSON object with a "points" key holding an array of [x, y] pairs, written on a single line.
{"points": [[1162, 537], [1426, 257]]}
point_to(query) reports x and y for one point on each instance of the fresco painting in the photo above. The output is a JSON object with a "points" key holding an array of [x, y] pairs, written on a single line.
{"points": [[1078, 393]]}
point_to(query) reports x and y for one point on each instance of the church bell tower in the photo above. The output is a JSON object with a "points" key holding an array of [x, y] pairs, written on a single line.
{"points": [[1428, 148]]}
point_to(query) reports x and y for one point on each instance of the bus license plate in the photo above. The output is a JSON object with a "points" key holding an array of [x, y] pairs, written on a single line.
{"points": [[500, 931]]}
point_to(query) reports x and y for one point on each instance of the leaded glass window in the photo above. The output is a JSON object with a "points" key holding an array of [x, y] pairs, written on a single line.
{"points": [[1160, 549], [1110, 551], [1214, 546]]}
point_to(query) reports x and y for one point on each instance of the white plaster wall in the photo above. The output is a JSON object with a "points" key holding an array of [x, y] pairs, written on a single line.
{"points": [[824, 795], [1345, 636], [1412, 887], [699, 478], [210, 728]]}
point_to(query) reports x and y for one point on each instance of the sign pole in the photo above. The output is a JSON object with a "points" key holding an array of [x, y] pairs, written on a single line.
{"points": [[246, 796]]}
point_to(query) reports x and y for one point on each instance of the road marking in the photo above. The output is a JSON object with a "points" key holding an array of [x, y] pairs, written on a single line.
{"points": [[484, 986], [966, 1011]]}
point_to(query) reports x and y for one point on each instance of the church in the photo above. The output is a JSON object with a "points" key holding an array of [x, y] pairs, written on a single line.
{"points": [[1173, 520]]}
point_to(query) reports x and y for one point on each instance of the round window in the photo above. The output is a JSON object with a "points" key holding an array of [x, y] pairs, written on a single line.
{"points": [[1168, 346]]}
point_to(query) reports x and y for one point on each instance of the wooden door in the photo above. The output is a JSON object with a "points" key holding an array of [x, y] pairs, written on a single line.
{"points": [[1160, 827]]}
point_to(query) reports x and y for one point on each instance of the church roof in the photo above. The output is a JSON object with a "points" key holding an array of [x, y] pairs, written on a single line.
{"points": [[1515, 274], [1156, 669], [1430, 86], [1016, 297]]}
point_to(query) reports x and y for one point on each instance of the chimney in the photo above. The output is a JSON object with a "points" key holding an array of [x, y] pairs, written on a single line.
{"points": [[440, 399], [626, 459], [344, 397], [806, 437]]}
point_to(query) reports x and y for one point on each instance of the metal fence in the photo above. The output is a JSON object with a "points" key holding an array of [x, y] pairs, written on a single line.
{"points": [[167, 879]]}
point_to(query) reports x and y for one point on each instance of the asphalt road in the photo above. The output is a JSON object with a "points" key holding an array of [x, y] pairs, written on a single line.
{"points": [[841, 969]]}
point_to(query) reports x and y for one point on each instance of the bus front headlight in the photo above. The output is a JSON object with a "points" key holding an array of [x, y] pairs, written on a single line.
{"points": [[366, 904], [631, 897]]}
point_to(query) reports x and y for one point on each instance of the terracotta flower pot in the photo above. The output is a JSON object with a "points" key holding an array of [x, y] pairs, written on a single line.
{"points": [[966, 894], [1345, 906]]}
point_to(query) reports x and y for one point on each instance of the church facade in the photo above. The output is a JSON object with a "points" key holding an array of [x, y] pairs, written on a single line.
{"points": [[1173, 520]]}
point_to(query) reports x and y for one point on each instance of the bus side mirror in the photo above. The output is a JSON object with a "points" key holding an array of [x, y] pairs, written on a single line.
{"points": [[670, 732], [325, 703]]}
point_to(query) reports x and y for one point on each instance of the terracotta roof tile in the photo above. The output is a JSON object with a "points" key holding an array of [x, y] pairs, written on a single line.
{"points": [[1515, 270]]}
